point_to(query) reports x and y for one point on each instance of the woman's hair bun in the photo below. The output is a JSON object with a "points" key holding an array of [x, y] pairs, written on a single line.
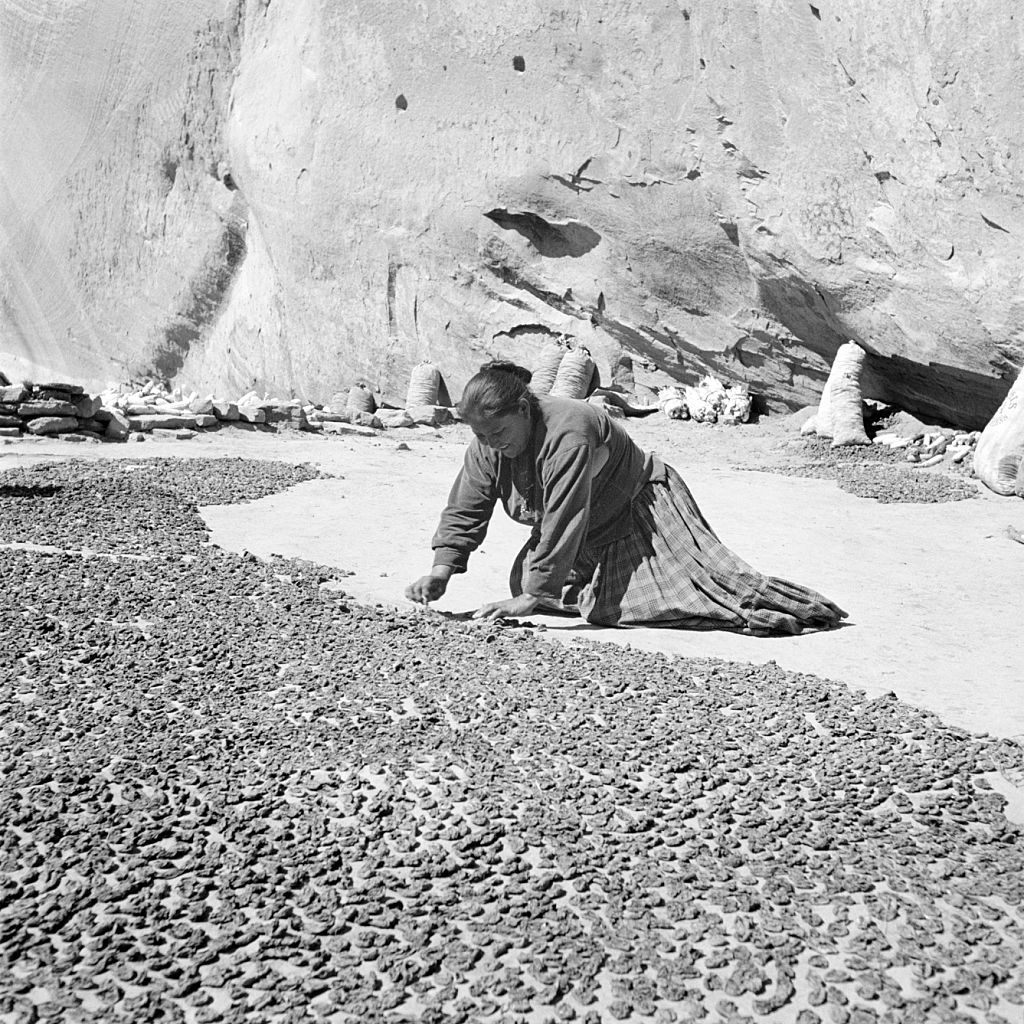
{"points": [[507, 366]]}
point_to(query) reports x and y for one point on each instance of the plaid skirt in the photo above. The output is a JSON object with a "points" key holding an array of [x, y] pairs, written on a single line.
{"points": [[672, 570]]}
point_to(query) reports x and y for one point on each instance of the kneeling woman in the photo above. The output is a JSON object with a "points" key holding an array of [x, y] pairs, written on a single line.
{"points": [[616, 532]]}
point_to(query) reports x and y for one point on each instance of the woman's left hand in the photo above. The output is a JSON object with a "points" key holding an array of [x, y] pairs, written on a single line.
{"points": [[510, 609]]}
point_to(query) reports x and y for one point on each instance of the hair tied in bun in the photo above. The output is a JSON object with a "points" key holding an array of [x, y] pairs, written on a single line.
{"points": [[507, 366]]}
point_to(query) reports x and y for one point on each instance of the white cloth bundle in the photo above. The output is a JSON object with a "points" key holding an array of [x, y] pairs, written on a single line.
{"points": [[999, 455], [547, 368], [424, 383], [574, 374], [840, 414], [672, 404]]}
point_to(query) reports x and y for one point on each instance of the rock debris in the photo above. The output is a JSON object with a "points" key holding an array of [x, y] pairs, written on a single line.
{"points": [[230, 794]]}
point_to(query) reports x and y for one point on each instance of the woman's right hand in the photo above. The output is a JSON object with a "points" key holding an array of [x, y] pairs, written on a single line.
{"points": [[427, 588]]}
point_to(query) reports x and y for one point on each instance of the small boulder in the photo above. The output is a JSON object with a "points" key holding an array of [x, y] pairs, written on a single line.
{"points": [[394, 418], [364, 419], [286, 415], [118, 425], [86, 406], [225, 411], [49, 425], [201, 406], [430, 415]]}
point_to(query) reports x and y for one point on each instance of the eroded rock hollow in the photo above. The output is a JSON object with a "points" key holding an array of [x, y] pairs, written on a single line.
{"points": [[290, 196]]}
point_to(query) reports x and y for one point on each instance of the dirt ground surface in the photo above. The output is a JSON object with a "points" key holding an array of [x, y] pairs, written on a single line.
{"points": [[235, 794], [933, 590]]}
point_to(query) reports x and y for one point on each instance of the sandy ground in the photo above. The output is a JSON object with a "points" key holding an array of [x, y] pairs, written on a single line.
{"points": [[933, 591]]}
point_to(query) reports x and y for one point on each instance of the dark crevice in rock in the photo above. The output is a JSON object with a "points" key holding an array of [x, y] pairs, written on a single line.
{"points": [[993, 224], [934, 391], [930, 390], [169, 170], [512, 277], [799, 307], [642, 340], [206, 296], [528, 330], [551, 239], [393, 267]]}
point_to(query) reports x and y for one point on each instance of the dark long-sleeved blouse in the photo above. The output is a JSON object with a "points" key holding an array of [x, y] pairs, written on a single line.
{"points": [[573, 484]]}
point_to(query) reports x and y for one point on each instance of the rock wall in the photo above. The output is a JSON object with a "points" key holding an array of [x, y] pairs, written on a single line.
{"points": [[288, 196]]}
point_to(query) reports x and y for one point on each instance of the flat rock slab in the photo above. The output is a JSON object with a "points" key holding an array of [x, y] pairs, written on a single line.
{"points": [[161, 422], [47, 407], [53, 424], [338, 427]]}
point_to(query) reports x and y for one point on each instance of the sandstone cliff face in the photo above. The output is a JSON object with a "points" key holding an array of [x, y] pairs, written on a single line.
{"points": [[287, 196]]}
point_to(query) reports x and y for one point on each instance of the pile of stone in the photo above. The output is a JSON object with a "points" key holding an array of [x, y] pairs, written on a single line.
{"points": [[130, 412], [361, 407], [150, 408], [55, 409]]}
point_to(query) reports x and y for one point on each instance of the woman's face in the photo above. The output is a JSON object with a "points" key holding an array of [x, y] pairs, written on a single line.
{"points": [[508, 434]]}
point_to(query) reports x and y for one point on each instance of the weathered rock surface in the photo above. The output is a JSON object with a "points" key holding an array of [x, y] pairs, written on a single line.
{"points": [[285, 197]]}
